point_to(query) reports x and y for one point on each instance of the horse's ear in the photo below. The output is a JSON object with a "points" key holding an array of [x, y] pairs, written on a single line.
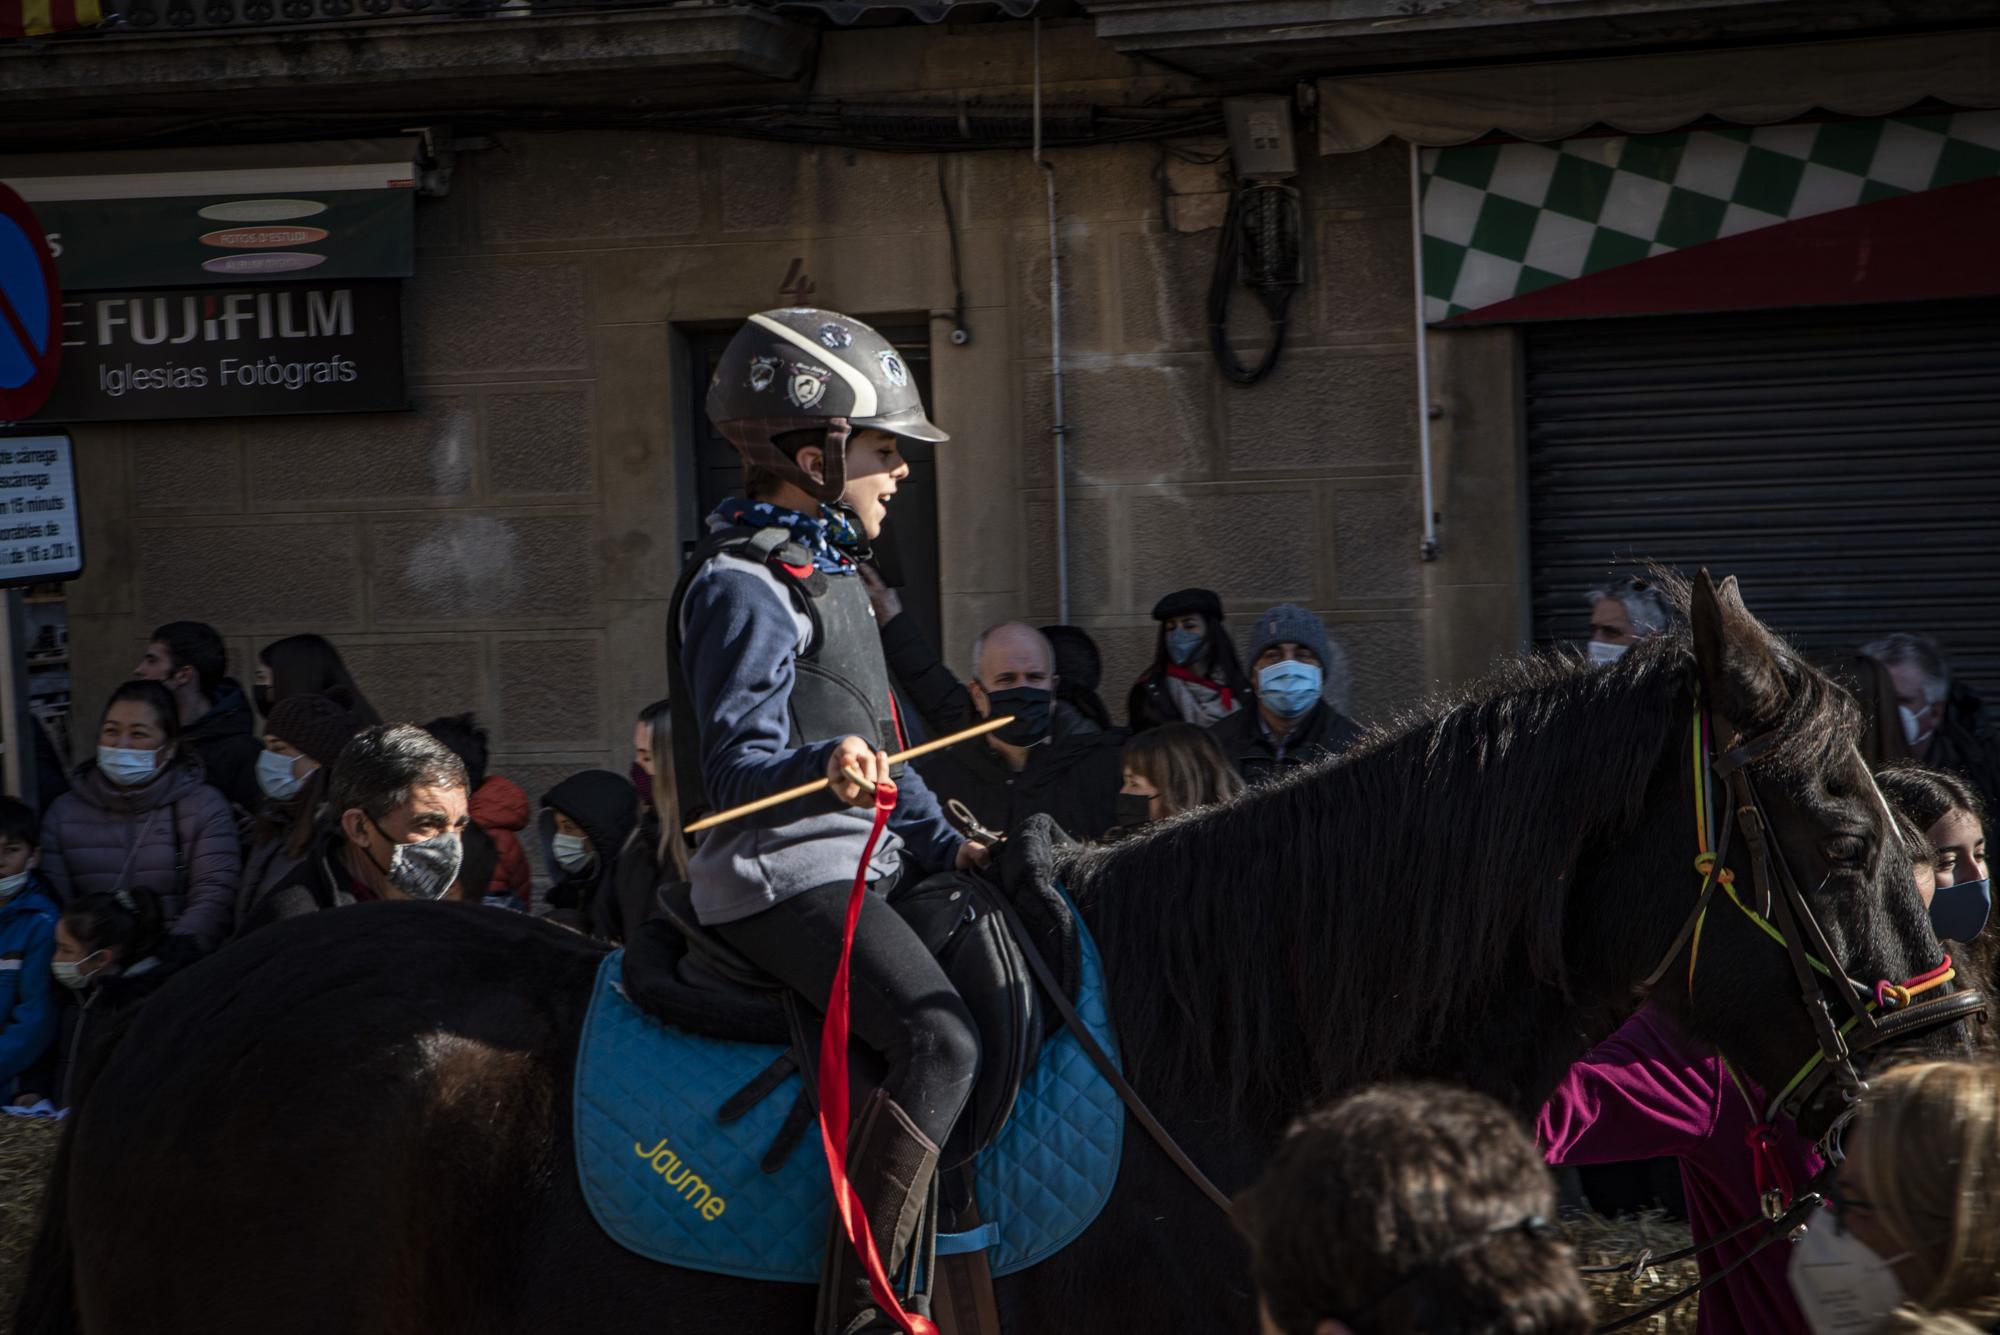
{"points": [[1732, 650]]}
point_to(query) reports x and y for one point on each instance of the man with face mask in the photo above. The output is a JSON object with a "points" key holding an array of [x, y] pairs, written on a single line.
{"points": [[396, 805], [1032, 766], [1622, 614], [1295, 667]]}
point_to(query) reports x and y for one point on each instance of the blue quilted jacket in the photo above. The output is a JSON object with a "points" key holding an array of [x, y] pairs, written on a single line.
{"points": [[27, 995]]}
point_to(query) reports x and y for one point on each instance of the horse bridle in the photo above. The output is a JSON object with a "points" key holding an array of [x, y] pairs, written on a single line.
{"points": [[1784, 914]]}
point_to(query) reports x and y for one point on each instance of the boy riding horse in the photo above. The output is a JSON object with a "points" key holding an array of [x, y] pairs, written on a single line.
{"points": [[778, 677]]}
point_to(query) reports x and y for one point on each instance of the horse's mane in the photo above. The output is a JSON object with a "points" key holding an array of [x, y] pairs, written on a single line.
{"points": [[1324, 930]]}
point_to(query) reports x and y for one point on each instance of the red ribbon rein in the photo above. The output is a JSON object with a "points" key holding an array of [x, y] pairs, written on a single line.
{"points": [[833, 1093]]}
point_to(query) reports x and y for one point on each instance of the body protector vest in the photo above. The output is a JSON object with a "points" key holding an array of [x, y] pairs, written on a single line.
{"points": [[840, 685]]}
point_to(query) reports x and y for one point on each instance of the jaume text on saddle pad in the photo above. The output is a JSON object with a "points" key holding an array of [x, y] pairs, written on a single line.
{"points": [[683, 1179]]}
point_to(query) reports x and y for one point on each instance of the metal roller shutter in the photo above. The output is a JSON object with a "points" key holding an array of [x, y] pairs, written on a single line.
{"points": [[1844, 464]]}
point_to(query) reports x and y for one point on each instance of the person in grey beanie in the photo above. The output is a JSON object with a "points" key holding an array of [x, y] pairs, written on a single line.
{"points": [[1302, 686]]}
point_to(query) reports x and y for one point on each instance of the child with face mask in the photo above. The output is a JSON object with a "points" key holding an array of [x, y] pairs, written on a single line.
{"points": [[141, 816], [585, 820], [1949, 813], [1910, 1240], [105, 959], [28, 913]]}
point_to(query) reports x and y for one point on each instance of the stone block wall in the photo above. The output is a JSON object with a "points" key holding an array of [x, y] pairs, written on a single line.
{"points": [[510, 544], [1301, 488]]}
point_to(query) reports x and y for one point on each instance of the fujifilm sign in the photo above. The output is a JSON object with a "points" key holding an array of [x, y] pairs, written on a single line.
{"points": [[231, 352], [222, 317]]}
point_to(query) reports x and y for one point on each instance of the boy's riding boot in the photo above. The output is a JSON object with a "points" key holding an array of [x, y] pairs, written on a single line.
{"points": [[890, 1163]]}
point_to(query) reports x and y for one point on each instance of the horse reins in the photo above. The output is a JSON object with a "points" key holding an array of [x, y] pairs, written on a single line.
{"points": [[1781, 1225], [1787, 918], [1892, 1012]]}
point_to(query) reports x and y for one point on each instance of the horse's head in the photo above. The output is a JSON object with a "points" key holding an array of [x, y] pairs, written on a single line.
{"points": [[1811, 956]]}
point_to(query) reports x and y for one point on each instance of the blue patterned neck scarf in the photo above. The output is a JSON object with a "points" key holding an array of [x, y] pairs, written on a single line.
{"points": [[830, 536]]}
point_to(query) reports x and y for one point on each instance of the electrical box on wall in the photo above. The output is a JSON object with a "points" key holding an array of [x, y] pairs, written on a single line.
{"points": [[1260, 137]]}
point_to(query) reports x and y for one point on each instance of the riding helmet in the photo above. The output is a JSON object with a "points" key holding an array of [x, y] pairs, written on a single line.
{"points": [[800, 369]]}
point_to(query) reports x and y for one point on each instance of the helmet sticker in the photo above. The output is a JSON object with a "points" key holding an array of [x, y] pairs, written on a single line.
{"points": [[807, 385], [893, 369], [835, 335], [763, 370]]}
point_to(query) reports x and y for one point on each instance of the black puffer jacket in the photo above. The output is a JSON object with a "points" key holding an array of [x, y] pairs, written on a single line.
{"points": [[605, 806]]}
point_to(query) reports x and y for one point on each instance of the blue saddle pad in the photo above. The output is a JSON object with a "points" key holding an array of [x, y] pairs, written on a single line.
{"points": [[669, 1182]]}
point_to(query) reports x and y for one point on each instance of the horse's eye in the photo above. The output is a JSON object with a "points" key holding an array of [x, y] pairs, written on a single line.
{"points": [[1845, 850]]}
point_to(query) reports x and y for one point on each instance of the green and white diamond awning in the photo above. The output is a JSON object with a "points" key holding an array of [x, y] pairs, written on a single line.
{"points": [[1502, 221]]}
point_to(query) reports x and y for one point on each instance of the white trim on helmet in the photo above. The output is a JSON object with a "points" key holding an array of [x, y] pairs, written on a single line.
{"points": [[864, 388]]}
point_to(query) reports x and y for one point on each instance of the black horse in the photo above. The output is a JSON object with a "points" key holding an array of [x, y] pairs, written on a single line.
{"points": [[360, 1121]]}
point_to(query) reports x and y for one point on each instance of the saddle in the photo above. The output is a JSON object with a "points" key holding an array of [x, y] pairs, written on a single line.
{"points": [[692, 1048], [682, 974]]}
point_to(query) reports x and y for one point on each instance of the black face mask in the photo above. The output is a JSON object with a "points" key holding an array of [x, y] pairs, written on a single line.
{"points": [[261, 695], [1130, 809], [1030, 707]]}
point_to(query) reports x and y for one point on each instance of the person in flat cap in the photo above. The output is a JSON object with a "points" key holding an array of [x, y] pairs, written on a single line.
{"points": [[1302, 683], [1195, 676]]}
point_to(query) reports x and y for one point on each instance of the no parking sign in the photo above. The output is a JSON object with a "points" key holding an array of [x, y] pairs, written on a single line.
{"points": [[30, 312]]}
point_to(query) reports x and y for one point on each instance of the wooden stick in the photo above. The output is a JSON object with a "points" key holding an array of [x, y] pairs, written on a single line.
{"points": [[808, 789]]}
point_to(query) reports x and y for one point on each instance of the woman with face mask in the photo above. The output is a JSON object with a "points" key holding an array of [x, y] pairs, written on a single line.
{"points": [[1953, 821], [1910, 1240], [107, 957], [654, 852], [302, 737], [1195, 676], [1173, 768], [141, 817]]}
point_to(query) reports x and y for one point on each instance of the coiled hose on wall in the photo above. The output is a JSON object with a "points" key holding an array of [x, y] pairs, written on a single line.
{"points": [[1261, 247]]}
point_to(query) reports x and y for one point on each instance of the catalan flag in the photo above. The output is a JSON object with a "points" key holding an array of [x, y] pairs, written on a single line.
{"points": [[39, 18]]}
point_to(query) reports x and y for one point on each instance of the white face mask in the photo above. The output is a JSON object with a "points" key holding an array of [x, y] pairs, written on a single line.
{"points": [[70, 972], [1842, 1286], [126, 766], [1602, 652], [1914, 730], [276, 776], [572, 851], [11, 885]]}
